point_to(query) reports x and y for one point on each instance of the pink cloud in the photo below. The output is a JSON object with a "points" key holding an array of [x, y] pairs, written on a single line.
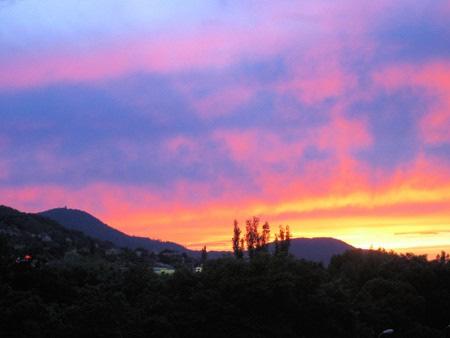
{"points": [[256, 148], [313, 83], [287, 30], [214, 48], [333, 185], [276, 164], [187, 212], [344, 135], [434, 80]]}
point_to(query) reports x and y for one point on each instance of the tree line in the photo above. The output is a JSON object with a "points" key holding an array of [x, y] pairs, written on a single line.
{"points": [[258, 292], [256, 241]]}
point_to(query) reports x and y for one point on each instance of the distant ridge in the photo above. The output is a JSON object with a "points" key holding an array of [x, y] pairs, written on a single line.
{"points": [[319, 249], [91, 226]]}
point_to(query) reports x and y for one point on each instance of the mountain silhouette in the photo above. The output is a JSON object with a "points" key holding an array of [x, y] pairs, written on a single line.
{"points": [[319, 249], [91, 226], [44, 237], [314, 249]]}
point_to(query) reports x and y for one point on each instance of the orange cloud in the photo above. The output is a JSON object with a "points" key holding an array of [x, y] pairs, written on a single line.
{"points": [[360, 212]]}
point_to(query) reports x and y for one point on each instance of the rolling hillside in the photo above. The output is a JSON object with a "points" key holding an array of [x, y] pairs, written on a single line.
{"points": [[82, 221]]}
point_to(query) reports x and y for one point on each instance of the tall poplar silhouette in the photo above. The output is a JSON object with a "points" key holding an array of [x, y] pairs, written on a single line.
{"points": [[252, 237], [237, 241], [204, 256], [287, 240], [265, 236], [282, 241]]}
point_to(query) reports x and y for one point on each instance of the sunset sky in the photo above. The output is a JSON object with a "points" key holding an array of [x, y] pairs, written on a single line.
{"points": [[169, 119]]}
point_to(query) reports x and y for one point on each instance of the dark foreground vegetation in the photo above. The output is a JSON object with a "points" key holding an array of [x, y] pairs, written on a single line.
{"points": [[86, 293]]}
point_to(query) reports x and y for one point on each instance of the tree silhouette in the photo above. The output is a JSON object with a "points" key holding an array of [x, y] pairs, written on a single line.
{"points": [[443, 257], [204, 255], [359, 294], [237, 241], [259, 241], [265, 236], [241, 248], [287, 241], [282, 241], [252, 237]]}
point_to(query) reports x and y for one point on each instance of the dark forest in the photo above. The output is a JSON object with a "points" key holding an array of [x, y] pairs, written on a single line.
{"points": [[80, 289]]}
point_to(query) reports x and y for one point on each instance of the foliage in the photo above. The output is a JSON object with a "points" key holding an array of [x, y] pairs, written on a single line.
{"points": [[257, 242], [90, 294]]}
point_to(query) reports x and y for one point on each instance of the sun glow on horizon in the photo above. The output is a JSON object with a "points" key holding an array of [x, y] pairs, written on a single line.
{"points": [[171, 119]]}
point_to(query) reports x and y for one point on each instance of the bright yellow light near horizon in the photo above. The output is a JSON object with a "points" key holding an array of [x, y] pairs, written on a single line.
{"points": [[400, 234], [361, 199], [365, 199], [358, 218]]}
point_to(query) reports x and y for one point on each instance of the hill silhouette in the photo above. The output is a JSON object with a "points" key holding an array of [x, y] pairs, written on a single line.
{"points": [[58, 282], [319, 249], [41, 236], [314, 249], [91, 226]]}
